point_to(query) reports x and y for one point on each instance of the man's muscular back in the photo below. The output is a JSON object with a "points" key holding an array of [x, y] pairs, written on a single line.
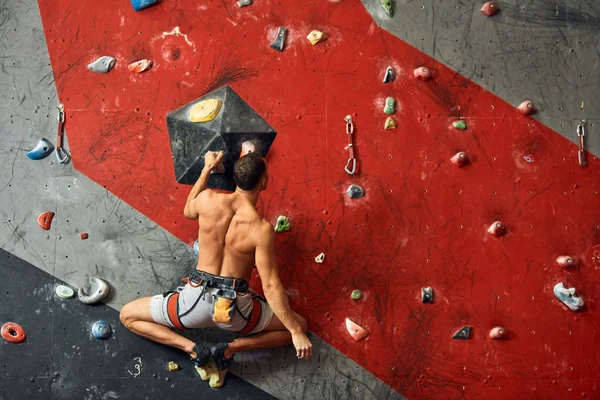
{"points": [[227, 240]]}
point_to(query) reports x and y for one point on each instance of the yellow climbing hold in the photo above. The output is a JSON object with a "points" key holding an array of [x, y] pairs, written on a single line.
{"points": [[316, 36], [173, 366], [209, 372], [205, 111], [390, 123]]}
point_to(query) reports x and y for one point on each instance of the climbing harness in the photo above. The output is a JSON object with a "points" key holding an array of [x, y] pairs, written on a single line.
{"points": [[581, 152], [351, 164], [61, 155]]}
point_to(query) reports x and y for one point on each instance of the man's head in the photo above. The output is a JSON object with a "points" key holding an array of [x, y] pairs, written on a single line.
{"points": [[250, 173]]}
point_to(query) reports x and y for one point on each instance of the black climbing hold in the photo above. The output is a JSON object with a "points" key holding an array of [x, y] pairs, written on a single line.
{"points": [[427, 295], [355, 192], [389, 75], [235, 124], [463, 334], [279, 42]]}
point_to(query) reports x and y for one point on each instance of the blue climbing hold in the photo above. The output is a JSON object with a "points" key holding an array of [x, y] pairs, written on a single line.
{"points": [[101, 330], [196, 248], [141, 4], [41, 150]]}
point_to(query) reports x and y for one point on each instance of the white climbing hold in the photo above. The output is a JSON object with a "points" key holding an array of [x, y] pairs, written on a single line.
{"points": [[102, 65], [567, 296], [320, 258]]}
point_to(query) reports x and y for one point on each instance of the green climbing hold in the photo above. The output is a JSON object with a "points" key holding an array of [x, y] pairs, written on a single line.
{"points": [[387, 6], [462, 125], [64, 292], [356, 295], [283, 224], [390, 105]]}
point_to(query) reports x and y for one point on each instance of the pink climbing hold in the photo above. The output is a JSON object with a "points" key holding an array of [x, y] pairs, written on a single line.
{"points": [[247, 147], [527, 108], [357, 332], [423, 73], [460, 159], [566, 261], [498, 333], [497, 229], [140, 66], [490, 9]]}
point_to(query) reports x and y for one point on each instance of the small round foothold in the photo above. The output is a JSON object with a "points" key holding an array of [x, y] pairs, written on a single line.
{"points": [[12, 332], [329, 222], [490, 9], [460, 159], [84, 236], [497, 229], [356, 294], [101, 329], [527, 108], [566, 261], [173, 366], [64, 292], [498, 333], [298, 117], [422, 73]]}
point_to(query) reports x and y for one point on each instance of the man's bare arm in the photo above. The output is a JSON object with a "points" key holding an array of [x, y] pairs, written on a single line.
{"points": [[272, 286], [211, 161]]}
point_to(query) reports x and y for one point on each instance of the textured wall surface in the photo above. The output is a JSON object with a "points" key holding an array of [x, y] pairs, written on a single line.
{"points": [[541, 50], [422, 222]]}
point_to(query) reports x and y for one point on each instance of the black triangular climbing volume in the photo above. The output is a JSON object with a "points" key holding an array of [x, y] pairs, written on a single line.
{"points": [[463, 334], [235, 123]]}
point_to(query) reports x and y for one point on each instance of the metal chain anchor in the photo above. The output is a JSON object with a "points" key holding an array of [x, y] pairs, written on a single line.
{"points": [[351, 164], [61, 154], [581, 152]]}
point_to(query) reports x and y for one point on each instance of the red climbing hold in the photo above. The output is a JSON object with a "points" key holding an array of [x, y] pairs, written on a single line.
{"points": [[566, 261], [490, 9], [357, 332], [460, 159], [497, 229], [45, 220], [527, 108], [13, 333], [498, 333], [423, 73], [83, 235]]}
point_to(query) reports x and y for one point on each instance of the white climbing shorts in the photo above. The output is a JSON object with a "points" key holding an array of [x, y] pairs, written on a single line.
{"points": [[193, 306]]}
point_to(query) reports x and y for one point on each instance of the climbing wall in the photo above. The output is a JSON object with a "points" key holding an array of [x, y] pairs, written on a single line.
{"points": [[423, 222]]}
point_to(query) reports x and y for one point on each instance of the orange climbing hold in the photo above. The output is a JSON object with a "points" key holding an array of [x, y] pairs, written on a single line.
{"points": [[13, 333], [140, 66], [357, 332], [490, 9], [45, 220]]}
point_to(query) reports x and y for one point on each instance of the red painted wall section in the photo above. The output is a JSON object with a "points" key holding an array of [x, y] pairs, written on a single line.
{"points": [[423, 222]]}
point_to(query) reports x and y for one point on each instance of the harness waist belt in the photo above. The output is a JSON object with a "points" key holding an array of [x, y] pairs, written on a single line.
{"points": [[219, 282]]}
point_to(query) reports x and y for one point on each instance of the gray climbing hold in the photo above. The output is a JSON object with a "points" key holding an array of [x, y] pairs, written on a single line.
{"points": [[279, 42], [243, 3], [389, 75], [567, 296], [355, 192], [427, 295], [64, 292], [102, 65], [41, 150], [99, 293], [101, 330], [463, 334]]}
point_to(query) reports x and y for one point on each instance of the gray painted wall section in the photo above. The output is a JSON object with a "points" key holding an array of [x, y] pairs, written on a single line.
{"points": [[135, 255], [542, 50]]}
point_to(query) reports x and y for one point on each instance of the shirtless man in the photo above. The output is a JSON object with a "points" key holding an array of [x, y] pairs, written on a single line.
{"points": [[232, 238]]}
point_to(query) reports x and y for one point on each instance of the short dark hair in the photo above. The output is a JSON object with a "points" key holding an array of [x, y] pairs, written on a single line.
{"points": [[248, 170]]}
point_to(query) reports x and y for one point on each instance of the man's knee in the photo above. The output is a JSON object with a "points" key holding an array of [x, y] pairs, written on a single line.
{"points": [[126, 315]]}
